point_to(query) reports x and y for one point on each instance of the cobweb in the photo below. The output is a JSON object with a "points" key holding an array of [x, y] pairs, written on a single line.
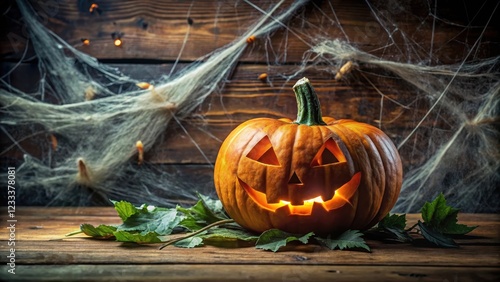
{"points": [[448, 138]]}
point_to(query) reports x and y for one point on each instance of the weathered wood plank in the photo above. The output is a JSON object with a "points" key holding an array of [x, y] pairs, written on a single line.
{"points": [[88, 251], [202, 272], [40, 240], [157, 29]]}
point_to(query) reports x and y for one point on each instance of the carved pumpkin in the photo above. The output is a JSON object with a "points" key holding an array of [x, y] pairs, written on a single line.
{"points": [[312, 174]]}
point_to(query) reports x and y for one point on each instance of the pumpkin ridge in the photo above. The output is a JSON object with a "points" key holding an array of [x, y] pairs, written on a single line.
{"points": [[358, 152], [380, 174], [391, 165], [295, 130]]}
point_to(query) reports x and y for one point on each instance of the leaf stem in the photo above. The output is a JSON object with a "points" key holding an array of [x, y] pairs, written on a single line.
{"points": [[73, 233], [217, 223], [409, 229]]}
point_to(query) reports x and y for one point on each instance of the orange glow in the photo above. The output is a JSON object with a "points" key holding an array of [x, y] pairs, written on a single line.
{"points": [[85, 41], [263, 152], [339, 199], [318, 199], [305, 209], [336, 154], [93, 7], [118, 42]]}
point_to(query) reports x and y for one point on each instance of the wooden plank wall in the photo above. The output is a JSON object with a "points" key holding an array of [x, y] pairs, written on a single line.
{"points": [[154, 32]]}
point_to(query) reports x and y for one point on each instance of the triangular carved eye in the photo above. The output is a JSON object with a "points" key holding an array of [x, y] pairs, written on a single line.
{"points": [[263, 152], [329, 153]]}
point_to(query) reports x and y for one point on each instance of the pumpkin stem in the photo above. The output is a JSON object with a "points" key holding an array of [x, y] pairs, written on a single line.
{"points": [[308, 107]]}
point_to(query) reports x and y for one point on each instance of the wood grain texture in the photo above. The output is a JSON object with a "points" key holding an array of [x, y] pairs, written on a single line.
{"points": [[43, 253], [218, 272], [156, 30]]}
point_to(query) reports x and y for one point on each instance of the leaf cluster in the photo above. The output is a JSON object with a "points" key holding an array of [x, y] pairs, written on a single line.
{"points": [[438, 225], [206, 223]]}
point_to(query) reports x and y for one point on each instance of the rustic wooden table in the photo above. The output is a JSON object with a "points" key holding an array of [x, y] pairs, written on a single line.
{"points": [[43, 253]]}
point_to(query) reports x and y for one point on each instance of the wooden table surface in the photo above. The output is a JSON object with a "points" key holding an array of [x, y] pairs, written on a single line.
{"points": [[43, 253]]}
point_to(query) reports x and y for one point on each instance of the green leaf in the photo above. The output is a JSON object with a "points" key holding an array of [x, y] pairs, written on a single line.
{"points": [[201, 214], [125, 236], [436, 211], [398, 234], [348, 239], [436, 237], [214, 205], [101, 231], [124, 209], [149, 224], [393, 226], [161, 221], [443, 218], [190, 242], [229, 234], [451, 227], [393, 221], [273, 239]]}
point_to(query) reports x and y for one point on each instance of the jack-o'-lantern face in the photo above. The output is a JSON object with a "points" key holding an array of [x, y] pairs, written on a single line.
{"points": [[312, 174], [295, 187]]}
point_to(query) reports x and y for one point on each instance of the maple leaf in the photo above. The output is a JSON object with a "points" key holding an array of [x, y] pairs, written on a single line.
{"points": [[440, 220]]}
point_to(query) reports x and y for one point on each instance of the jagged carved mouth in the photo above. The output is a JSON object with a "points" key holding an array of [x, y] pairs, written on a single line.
{"points": [[339, 199]]}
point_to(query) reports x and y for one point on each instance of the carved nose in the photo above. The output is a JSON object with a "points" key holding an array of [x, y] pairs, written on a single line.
{"points": [[294, 179]]}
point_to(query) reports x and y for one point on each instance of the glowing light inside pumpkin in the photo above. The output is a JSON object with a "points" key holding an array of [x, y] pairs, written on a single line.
{"points": [[339, 199], [318, 199], [304, 209]]}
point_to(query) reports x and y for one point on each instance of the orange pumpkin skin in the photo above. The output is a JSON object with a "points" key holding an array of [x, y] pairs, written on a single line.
{"points": [[264, 161]]}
